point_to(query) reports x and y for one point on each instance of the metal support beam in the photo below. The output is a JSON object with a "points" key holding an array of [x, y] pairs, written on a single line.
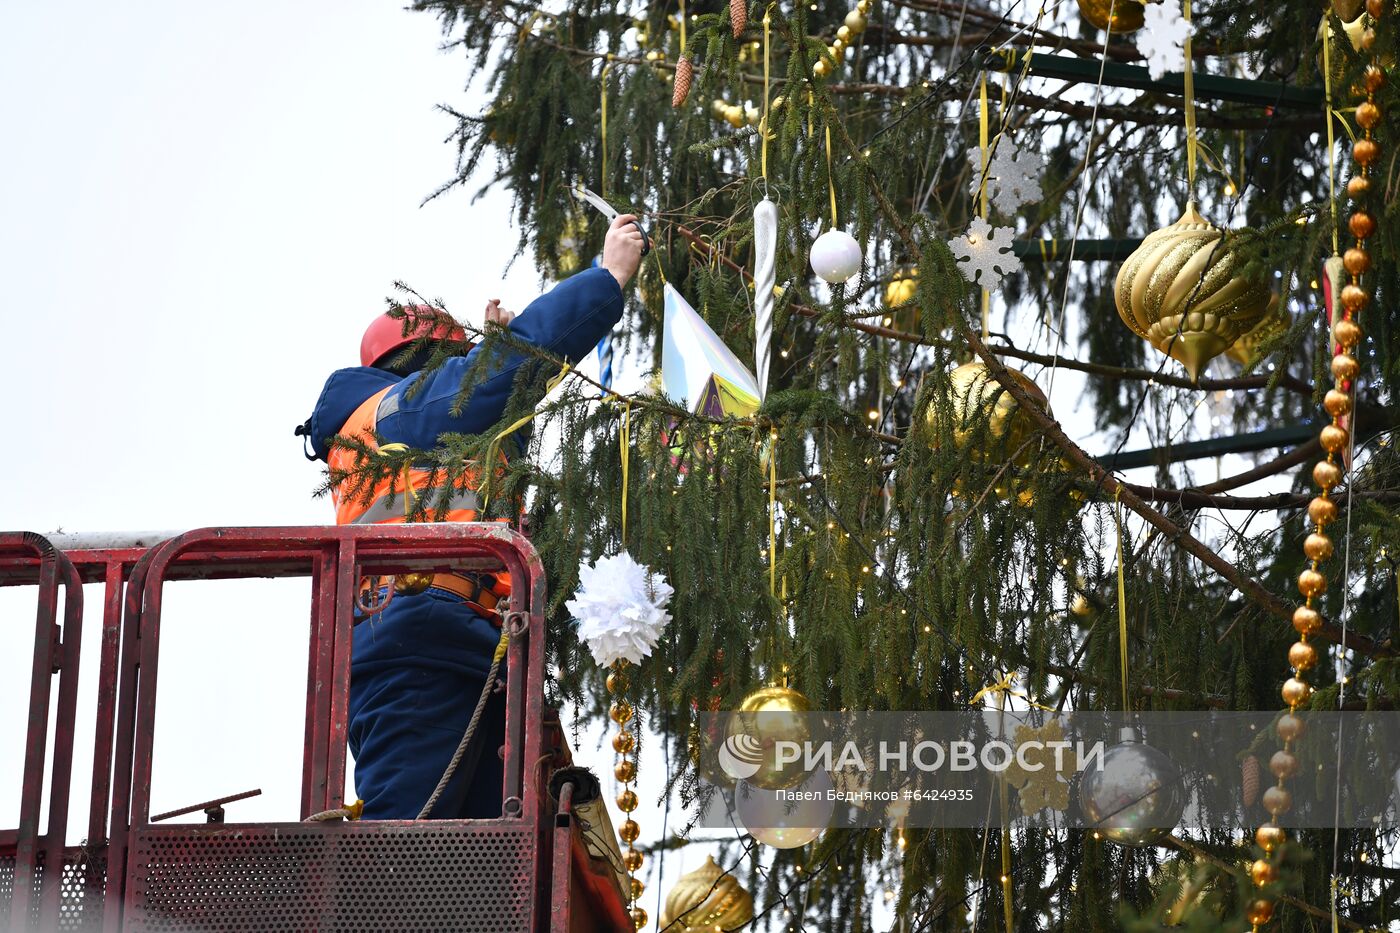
{"points": [[1084, 250], [1212, 447], [1207, 87]]}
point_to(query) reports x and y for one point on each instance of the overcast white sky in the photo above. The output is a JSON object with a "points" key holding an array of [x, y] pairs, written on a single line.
{"points": [[200, 210]]}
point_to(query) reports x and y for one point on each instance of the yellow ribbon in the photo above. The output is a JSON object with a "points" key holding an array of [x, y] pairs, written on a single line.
{"points": [[624, 438], [501, 647], [603, 120], [773, 515], [1005, 687], [682, 23], [1190, 89], [1122, 596], [1331, 133], [493, 449], [408, 497], [984, 117], [763, 126], [830, 178]]}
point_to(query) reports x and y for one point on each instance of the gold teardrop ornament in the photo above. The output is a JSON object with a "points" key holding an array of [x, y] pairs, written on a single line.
{"points": [[1182, 291], [1127, 15], [707, 899]]}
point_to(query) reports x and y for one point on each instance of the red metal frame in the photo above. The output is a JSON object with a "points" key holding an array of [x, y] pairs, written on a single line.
{"points": [[57, 650], [563, 893]]}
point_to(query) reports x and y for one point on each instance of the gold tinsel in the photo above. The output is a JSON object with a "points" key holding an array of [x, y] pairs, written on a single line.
{"points": [[707, 899], [1182, 291]]}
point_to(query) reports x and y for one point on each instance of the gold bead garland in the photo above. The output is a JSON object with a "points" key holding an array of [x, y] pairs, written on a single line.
{"points": [[625, 744], [736, 115], [846, 35], [1327, 474]]}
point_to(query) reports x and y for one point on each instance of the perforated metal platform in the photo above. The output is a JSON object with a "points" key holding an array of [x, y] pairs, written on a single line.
{"points": [[358, 876], [79, 897]]}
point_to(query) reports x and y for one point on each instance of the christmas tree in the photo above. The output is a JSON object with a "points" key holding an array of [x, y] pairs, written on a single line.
{"points": [[900, 520]]}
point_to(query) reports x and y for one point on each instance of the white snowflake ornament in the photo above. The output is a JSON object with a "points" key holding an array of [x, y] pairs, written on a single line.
{"points": [[620, 608], [1013, 176], [1163, 38], [984, 254]]}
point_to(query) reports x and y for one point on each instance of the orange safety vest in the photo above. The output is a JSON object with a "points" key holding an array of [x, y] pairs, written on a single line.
{"points": [[389, 503]]}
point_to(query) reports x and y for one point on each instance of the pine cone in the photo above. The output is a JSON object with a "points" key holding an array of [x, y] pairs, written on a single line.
{"points": [[685, 73], [1249, 780], [739, 16]]}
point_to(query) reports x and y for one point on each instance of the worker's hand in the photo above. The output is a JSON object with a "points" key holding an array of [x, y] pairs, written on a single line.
{"points": [[495, 314], [622, 250]]}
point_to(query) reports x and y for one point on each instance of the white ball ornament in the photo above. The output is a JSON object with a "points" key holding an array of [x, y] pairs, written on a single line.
{"points": [[836, 256]]}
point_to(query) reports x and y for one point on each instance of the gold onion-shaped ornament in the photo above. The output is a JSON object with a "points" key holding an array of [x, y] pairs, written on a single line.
{"points": [[707, 899], [975, 396], [1127, 15], [1182, 291]]}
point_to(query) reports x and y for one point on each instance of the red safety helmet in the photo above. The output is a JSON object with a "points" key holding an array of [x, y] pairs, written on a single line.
{"points": [[385, 335]]}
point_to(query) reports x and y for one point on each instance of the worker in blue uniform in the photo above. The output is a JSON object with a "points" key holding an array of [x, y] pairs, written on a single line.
{"points": [[419, 665]]}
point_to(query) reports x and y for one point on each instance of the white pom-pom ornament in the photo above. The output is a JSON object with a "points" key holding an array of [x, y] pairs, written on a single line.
{"points": [[620, 608], [835, 256]]}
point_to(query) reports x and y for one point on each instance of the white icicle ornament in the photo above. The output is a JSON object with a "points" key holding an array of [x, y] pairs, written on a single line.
{"points": [[620, 608], [835, 256]]}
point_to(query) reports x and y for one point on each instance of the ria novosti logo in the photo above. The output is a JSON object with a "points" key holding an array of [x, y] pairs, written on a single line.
{"points": [[740, 756]]}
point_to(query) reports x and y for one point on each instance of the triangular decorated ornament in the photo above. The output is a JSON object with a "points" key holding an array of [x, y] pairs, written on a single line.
{"points": [[698, 370]]}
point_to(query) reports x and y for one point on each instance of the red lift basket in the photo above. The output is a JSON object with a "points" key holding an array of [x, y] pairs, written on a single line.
{"points": [[529, 870]]}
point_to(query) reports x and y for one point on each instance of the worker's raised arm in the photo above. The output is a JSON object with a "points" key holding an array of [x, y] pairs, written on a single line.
{"points": [[568, 321]]}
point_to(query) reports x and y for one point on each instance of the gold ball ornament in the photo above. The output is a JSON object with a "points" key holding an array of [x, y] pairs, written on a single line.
{"points": [[768, 716], [1183, 292], [822, 68], [1296, 692], [1263, 872], [707, 899], [1127, 15], [845, 35], [902, 288], [639, 917], [627, 801], [629, 831], [631, 859], [1289, 727], [976, 399], [1259, 911], [734, 115], [624, 742], [1270, 837], [855, 22]]}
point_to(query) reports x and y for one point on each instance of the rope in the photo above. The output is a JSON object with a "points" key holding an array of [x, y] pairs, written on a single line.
{"points": [[466, 742], [350, 811]]}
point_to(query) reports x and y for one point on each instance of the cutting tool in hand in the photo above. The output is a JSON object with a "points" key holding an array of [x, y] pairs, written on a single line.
{"points": [[607, 210]]}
